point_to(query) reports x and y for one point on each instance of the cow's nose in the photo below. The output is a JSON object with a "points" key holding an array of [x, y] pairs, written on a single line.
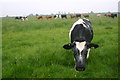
{"points": [[80, 68]]}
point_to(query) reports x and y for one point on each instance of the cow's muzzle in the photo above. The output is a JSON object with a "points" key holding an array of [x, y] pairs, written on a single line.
{"points": [[80, 68]]}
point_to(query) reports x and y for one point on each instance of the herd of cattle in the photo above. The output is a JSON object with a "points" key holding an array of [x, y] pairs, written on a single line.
{"points": [[66, 16], [63, 16]]}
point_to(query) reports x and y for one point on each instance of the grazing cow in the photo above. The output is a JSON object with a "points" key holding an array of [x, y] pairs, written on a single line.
{"points": [[63, 16], [18, 18], [108, 15], [24, 18], [60, 16], [48, 17], [75, 16], [115, 15], [78, 15], [98, 15], [72, 16], [111, 15], [39, 17], [85, 15], [105, 15], [56, 16], [21, 18], [81, 35]]}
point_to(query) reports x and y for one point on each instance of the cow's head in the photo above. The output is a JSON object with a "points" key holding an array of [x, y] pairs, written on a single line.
{"points": [[80, 50]]}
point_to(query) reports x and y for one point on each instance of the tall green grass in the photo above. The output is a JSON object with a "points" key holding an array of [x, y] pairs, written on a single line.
{"points": [[33, 49]]}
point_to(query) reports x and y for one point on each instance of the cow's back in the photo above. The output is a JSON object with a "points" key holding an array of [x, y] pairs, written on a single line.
{"points": [[81, 30]]}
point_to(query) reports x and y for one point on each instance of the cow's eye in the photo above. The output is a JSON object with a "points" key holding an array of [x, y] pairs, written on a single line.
{"points": [[76, 51]]}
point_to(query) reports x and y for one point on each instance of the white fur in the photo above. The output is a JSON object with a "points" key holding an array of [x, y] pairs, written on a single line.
{"points": [[57, 16], [60, 16], [88, 53], [80, 45], [26, 19]]}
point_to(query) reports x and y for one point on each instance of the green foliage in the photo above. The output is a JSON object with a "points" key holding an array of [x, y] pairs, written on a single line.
{"points": [[33, 49]]}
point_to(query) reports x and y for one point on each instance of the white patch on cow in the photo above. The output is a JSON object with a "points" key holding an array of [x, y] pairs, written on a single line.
{"points": [[80, 57], [26, 19], [80, 21], [74, 59], [98, 15], [60, 16], [80, 45], [22, 19], [57, 16], [88, 53]]}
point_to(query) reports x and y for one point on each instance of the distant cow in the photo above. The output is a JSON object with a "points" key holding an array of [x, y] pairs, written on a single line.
{"points": [[21, 18], [18, 18], [48, 17], [98, 15], [75, 16], [56, 16], [111, 15], [107, 15], [85, 15], [63, 16], [39, 17], [25, 18], [115, 15], [60, 16], [72, 16], [81, 35], [78, 15]]}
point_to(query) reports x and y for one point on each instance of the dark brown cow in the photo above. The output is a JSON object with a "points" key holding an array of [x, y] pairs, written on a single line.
{"points": [[48, 17], [108, 15], [72, 16], [39, 17], [75, 16], [111, 15], [86, 15]]}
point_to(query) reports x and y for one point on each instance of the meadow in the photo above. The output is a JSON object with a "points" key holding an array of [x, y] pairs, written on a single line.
{"points": [[33, 49]]}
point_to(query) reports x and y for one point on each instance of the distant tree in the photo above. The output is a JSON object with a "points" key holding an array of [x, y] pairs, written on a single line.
{"points": [[52, 14], [91, 12], [7, 16], [30, 15], [37, 14], [59, 12], [109, 12]]}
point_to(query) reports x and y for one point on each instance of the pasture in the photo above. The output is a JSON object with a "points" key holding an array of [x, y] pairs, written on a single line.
{"points": [[33, 49]]}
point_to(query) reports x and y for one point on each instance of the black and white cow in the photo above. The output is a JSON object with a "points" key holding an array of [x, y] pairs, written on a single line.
{"points": [[21, 18], [81, 35], [60, 16]]}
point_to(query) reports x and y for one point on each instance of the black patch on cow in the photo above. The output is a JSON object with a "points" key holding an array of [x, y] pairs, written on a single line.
{"points": [[80, 33], [64, 16], [90, 45], [69, 46]]}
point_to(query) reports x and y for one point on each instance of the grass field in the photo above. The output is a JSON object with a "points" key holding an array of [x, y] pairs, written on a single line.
{"points": [[33, 49]]}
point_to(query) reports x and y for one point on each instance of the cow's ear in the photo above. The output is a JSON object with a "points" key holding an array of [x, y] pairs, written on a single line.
{"points": [[92, 45], [69, 46]]}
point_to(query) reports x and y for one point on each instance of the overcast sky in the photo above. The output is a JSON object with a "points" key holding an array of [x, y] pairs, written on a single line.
{"points": [[26, 7]]}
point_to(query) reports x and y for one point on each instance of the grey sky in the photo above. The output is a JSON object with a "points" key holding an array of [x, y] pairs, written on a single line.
{"points": [[25, 7]]}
